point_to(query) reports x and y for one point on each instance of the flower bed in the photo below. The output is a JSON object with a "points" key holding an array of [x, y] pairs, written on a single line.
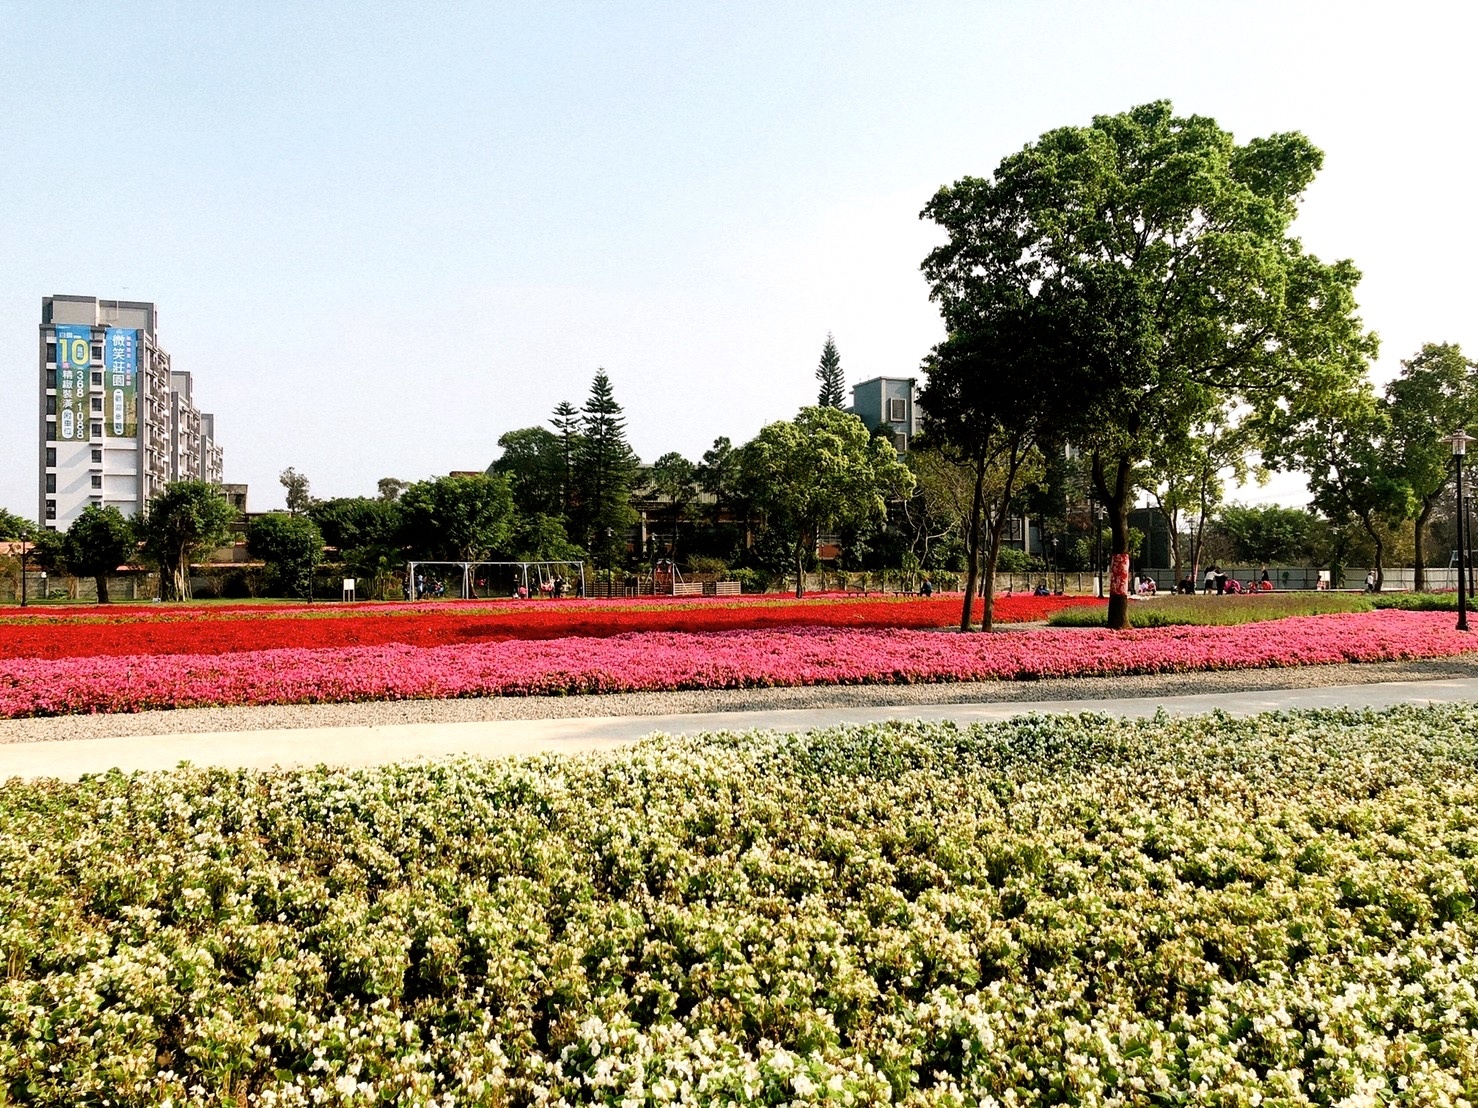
{"points": [[98, 631], [677, 660], [1206, 911]]}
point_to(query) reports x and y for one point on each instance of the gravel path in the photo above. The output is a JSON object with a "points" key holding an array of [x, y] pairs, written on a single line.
{"points": [[387, 713]]}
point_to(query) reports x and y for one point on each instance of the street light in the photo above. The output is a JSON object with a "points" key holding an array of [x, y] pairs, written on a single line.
{"points": [[1459, 440], [25, 553]]}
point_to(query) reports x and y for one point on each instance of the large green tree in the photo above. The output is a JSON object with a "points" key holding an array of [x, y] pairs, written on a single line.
{"points": [[829, 373], [456, 519], [98, 542], [1162, 250], [533, 461], [295, 487], [605, 468], [366, 534], [184, 521], [1435, 394], [13, 526], [1354, 475], [1186, 478], [351, 522], [1263, 535], [675, 479], [290, 546], [819, 472], [718, 475], [983, 405]]}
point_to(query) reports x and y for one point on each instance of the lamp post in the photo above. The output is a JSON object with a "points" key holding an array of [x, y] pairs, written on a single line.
{"points": [[1459, 440], [1468, 529], [25, 553]]}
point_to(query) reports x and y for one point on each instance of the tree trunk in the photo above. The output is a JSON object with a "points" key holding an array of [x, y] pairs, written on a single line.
{"points": [[180, 583], [1116, 503], [800, 566], [102, 582], [972, 545], [988, 591], [997, 536], [1419, 580]]}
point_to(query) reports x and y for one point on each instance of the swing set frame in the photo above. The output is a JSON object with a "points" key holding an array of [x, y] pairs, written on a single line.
{"points": [[412, 571]]}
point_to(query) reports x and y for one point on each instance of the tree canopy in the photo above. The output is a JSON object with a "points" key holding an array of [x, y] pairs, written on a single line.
{"points": [[456, 519], [1156, 252], [98, 542], [1435, 394], [819, 472], [290, 546], [184, 521], [295, 484], [533, 461], [13, 526], [1264, 535]]}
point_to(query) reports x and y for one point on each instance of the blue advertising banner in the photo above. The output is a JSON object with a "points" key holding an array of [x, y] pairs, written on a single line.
{"points": [[120, 383], [73, 355]]}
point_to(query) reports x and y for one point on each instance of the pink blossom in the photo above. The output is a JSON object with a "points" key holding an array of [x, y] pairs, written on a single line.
{"points": [[685, 660]]}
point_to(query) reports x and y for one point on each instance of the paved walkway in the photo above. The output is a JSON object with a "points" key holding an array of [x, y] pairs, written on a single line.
{"points": [[363, 746]]}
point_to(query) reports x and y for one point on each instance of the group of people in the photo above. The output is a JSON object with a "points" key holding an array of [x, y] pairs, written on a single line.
{"points": [[554, 587], [425, 588], [1219, 582]]}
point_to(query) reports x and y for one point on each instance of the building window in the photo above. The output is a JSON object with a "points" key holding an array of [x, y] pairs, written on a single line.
{"points": [[97, 480], [97, 352], [51, 455], [97, 378], [51, 352], [51, 430], [51, 378], [51, 509], [900, 441], [97, 456], [97, 430], [51, 405], [51, 482], [897, 409], [97, 403]]}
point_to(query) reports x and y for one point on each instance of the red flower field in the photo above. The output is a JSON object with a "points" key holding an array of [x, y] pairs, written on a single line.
{"points": [[120, 631], [686, 660]]}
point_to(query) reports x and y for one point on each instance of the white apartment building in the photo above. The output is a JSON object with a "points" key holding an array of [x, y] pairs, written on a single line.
{"points": [[116, 423]]}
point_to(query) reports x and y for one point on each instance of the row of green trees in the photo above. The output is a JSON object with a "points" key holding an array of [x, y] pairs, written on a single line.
{"points": [[184, 521], [795, 481]]}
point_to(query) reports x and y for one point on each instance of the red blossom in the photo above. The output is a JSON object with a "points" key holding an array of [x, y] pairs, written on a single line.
{"points": [[125, 632]]}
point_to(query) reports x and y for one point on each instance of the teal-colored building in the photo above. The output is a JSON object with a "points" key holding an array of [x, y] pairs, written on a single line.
{"points": [[889, 405]]}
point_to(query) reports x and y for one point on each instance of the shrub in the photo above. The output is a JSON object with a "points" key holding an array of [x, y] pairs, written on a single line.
{"points": [[1175, 611], [916, 913], [1417, 601]]}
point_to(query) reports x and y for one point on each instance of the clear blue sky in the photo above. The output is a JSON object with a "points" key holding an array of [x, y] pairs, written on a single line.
{"points": [[382, 235]]}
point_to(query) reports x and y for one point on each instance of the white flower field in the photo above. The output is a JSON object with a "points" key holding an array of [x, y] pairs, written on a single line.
{"points": [[1207, 911]]}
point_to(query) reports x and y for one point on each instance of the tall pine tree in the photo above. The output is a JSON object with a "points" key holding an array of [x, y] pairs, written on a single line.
{"points": [[566, 423], [829, 373], [605, 468]]}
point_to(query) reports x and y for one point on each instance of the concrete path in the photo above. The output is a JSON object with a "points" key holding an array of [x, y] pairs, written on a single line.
{"points": [[363, 746]]}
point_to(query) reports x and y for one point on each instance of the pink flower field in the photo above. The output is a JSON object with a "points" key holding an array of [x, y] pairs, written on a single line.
{"points": [[690, 660]]}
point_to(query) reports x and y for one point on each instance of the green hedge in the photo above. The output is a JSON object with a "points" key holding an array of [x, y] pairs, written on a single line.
{"points": [[1174, 611], [1045, 911], [1418, 601]]}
